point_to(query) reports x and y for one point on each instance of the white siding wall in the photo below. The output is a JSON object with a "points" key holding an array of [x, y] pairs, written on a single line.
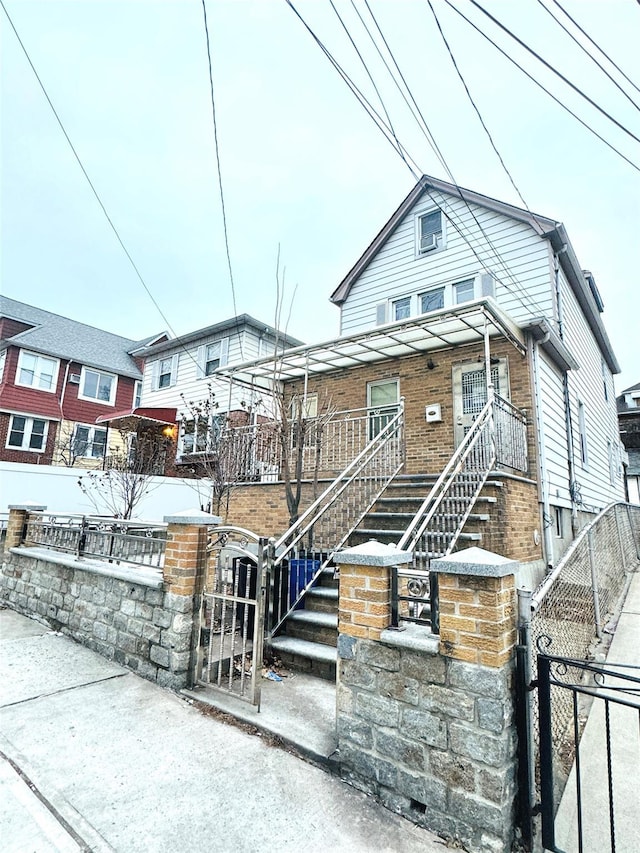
{"points": [[191, 384], [586, 384], [554, 431], [396, 271]]}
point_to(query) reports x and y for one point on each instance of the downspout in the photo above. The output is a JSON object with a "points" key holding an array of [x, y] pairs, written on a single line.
{"points": [[61, 403], [542, 456], [567, 401]]}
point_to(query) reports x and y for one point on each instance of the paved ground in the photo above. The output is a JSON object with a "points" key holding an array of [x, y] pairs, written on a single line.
{"points": [[625, 752], [94, 758]]}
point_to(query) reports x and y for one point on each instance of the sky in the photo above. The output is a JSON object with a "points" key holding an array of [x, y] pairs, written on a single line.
{"points": [[306, 174]]}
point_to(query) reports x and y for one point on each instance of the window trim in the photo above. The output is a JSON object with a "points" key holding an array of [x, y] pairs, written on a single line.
{"points": [[113, 391], [38, 355], [29, 420], [442, 234], [92, 428], [582, 435], [223, 357], [449, 297], [155, 372], [137, 393]]}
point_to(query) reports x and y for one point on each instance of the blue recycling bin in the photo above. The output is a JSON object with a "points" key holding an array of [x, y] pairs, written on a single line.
{"points": [[300, 573]]}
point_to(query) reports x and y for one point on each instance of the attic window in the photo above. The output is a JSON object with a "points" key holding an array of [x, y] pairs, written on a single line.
{"points": [[429, 232]]}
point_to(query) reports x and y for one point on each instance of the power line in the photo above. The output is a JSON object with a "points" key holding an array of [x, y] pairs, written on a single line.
{"points": [[219, 170], [597, 46], [95, 191], [544, 89], [85, 173], [590, 55], [424, 127], [374, 115], [475, 107], [555, 71]]}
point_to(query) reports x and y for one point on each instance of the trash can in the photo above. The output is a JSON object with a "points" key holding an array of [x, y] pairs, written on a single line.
{"points": [[300, 573]]}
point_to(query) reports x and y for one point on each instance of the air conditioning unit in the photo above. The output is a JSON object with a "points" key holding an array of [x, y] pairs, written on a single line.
{"points": [[74, 378], [429, 242]]}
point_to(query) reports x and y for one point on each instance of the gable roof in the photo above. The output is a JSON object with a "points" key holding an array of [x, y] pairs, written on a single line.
{"points": [[232, 324], [583, 284], [64, 338]]}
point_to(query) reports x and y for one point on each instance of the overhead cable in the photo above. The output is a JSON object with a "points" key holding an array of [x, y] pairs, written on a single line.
{"points": [[541, 86], [555, 71], [590, 55], [597, 46]]}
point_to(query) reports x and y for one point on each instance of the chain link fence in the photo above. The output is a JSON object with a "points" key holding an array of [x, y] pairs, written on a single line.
{"points": [[572, 607]]}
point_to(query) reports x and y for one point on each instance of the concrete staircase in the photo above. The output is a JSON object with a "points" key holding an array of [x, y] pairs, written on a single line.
{"points": [[310, 635]]}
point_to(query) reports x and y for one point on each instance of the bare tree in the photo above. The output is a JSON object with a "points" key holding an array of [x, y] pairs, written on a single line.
{"points": [[127, 476]]}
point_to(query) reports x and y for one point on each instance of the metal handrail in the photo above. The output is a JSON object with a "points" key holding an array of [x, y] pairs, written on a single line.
{"points": [[316, 510], [284, 547], [434, 499]]}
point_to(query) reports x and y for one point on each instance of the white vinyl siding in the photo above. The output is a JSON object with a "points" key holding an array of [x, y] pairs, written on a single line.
{"points": [[554, 431], [396, 272], [188, 376]]}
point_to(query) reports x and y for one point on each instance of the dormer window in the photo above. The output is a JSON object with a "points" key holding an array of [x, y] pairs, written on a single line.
{"points": [[429, 233]]}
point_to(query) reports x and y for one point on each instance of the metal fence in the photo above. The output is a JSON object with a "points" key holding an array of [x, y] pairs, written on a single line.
{"points": [[568, 613], [114, 540]]}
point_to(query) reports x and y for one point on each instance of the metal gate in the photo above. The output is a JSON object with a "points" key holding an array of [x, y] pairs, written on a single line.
{"points": [[578, 771], [232, 613]]}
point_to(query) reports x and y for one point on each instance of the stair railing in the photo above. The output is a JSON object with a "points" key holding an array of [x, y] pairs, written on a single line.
{"points": [[307, 547]]}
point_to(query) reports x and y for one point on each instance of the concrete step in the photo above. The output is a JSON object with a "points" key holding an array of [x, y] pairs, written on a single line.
{"points": [[305, 656], [314, 617], [322, 599], [376, 532]]}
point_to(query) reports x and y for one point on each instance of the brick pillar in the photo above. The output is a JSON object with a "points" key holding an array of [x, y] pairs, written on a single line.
{"points": [[185, 555], [18, 514], [364, 610], [477, 606]]}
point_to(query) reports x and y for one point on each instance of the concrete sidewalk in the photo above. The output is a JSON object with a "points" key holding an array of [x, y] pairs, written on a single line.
{"points": [[624, 653], [93, 757]]}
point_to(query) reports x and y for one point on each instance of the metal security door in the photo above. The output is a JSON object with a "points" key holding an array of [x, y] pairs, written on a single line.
{"points": [[470, 393], [232, 613]]}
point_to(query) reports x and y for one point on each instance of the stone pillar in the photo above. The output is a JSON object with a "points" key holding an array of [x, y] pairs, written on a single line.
{"points": [[425, 722], [477, 606], [185, 565], [18, 514], [364, 609]]}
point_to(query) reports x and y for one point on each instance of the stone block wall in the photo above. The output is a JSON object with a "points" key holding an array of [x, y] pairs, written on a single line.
{"points": [[432, 737], [136, 624]]}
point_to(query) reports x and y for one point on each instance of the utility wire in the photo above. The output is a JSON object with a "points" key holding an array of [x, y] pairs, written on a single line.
{"points": [[475, 107], [219, 170], [590, 55], [541, 86], [374, 115], [86, 174], [424, 127], [597, 46], [555, 71], [370, 76]]}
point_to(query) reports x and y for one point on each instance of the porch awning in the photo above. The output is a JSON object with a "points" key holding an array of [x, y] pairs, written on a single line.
{"points": [[131, 418], [449, 327]]}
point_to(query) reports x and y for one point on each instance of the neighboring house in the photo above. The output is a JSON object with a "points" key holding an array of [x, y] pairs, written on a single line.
{"points": [[58, 379], [180, 379], [629, 421], [455, 283]]}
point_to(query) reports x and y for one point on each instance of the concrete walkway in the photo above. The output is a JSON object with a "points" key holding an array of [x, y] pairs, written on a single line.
{"points": [[94, 758], [625, 749]]}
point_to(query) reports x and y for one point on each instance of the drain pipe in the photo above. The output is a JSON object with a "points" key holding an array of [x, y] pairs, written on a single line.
{"points": [[542, 457]]}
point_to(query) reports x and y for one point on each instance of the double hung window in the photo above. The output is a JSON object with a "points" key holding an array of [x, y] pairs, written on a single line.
{"points": [[429, 234], [89, 442], [27, 433], [37, 371], [98, 386]]}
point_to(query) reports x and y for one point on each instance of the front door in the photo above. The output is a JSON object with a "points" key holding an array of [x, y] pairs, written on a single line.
{"points": [[383, 399], [470, 392]]}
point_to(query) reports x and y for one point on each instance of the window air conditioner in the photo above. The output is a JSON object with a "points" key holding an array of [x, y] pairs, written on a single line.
{"points": [[429, 242], [74, 378]]}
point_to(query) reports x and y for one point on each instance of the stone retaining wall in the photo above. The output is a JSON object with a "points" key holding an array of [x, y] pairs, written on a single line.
{"points": [[130, 620], [431, 736]]}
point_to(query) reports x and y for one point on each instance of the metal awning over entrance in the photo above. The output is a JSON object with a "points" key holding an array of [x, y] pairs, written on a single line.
{"points": [[473, 322]]}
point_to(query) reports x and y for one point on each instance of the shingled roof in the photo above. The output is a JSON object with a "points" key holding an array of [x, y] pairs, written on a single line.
{"points": [[64, 338]]}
